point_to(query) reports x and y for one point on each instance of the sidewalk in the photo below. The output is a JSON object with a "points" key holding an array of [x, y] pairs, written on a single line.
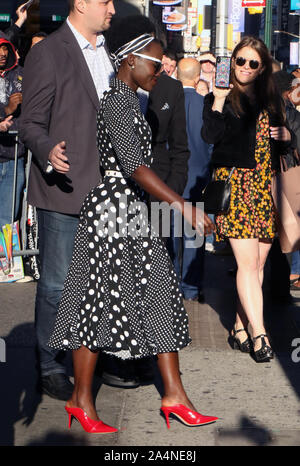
{"points": [[258, 404]]}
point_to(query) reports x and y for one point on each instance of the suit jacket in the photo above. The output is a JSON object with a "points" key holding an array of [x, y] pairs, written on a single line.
{"points": [[198, 164], [166, 117], [60, 103]]}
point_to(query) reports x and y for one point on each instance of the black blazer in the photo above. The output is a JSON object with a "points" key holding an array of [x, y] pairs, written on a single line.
{"points": [[166, 117], [234, 138], [60, 103]]}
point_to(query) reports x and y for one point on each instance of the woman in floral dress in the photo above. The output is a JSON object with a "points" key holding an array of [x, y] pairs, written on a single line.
{"points": [[246, 124]]}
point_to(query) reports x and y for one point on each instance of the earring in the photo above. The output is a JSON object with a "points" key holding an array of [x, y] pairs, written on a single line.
{"points": [[132, 67]]}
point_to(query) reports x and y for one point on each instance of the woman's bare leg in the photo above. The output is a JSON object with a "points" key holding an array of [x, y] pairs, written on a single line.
{"points": [[246, 252], [168, 364], [250, 255], [84, 363]]}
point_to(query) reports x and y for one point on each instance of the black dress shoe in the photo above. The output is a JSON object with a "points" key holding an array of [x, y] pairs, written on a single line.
{"points": [[57, 386], [121, 382], [117, 372]]}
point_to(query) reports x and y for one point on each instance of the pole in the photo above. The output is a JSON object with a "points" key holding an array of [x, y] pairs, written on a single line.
{"points": [[299, 42], [213, 31], [222, 23], [268, 24]]}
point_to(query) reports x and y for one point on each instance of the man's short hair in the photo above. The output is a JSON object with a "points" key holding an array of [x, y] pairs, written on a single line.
{"points": [[171, 54]]}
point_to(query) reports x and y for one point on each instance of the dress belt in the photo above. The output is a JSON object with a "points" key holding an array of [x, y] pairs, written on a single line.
{"points": [[113, 173]]}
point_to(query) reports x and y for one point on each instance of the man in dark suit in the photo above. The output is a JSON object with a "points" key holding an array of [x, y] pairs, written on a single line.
{"points": [[189, 261], [65, 75], [166, 117]]}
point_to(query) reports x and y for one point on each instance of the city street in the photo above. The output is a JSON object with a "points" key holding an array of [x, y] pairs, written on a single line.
{"points": [[257, 404]]}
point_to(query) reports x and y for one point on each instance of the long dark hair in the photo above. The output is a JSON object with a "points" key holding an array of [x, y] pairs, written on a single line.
{"points": [[267, 97]]}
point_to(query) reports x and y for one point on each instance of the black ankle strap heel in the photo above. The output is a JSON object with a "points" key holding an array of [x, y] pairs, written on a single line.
{"points": [[244, 347], [265, 353]]}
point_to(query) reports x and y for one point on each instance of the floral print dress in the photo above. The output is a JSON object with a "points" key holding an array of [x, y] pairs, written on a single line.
{"points": [[251, 213]]}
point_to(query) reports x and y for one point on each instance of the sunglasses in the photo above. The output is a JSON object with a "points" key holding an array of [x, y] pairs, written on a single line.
{"points": [[241, 61], [157, 63]]}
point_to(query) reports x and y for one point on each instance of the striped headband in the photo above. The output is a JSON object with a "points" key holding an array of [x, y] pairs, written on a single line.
{"points": [[133, 46]]}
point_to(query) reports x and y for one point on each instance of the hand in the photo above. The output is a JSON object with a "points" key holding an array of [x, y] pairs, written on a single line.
{"points": [[14, 101], [221, 93], [220, 97], [58, 158], [194, 215], [22, 16], [280, 133], [6, 124]]}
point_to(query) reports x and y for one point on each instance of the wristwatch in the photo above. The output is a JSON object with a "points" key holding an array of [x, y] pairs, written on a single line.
{"points": [[49, 168]]}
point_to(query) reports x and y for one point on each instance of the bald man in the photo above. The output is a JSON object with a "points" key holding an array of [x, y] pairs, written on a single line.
{"points": [[188, 72], [190, 264]]}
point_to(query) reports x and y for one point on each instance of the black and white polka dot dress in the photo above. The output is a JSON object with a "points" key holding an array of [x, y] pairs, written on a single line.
{"points": [[121, 294]]}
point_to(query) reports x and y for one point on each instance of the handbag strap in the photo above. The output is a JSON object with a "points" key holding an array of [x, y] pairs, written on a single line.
{"points": [[230, 175]]}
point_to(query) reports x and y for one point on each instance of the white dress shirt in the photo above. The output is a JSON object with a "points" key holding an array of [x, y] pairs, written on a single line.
{"points": [[97, 60]]}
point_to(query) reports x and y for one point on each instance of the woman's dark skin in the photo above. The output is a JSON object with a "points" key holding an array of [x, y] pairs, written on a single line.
{"points": [[139, 72]]}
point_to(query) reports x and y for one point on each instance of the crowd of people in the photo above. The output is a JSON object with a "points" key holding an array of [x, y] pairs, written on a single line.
{"points": [[116, 124]]}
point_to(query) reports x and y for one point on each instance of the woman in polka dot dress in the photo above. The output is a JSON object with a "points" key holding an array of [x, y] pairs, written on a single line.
{"points": [[121, 293], [246, 124]]}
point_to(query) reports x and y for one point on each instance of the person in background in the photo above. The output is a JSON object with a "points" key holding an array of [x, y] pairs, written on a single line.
{"points": [[38, 37], [202, 87], [295, 94], [169, 62], [208, 68], [189, 261], [246, 124], [64, 78], [13, 32], [286, 88], [11, 75]]}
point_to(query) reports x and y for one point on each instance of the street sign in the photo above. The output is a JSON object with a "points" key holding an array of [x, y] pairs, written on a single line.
{"points": [[250, 3]]}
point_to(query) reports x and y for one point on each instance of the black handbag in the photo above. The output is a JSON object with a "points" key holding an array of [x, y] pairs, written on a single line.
{"points": [[216, 195]]}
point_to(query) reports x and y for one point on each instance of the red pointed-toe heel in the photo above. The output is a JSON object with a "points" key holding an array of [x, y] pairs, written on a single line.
{"points": [[187, 416], [89, 425]]}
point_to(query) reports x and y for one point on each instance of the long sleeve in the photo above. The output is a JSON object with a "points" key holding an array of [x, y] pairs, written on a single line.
{"points": [[12, 33], [214, 124], [178, 146], [39, 88]]}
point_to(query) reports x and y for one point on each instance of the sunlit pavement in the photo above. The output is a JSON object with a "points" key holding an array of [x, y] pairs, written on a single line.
{"points": [[257, 404]]}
